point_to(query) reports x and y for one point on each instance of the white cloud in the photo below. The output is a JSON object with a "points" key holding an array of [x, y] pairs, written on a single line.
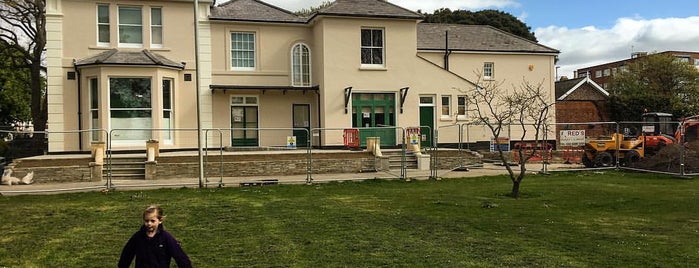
{"points": [[589, 46]]}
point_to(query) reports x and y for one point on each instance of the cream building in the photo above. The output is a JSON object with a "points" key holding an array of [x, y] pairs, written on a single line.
{"points": [[127, 70]]}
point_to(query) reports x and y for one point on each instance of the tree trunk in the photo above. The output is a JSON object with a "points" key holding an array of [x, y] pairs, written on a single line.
{"points": [[515, 188]]}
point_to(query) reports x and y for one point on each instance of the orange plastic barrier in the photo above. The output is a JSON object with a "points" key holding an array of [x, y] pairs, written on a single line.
{"points": [[351, 138], [540, 152]]}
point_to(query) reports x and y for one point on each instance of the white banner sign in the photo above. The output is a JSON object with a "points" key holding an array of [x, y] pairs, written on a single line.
{"points": [[572, 137]]}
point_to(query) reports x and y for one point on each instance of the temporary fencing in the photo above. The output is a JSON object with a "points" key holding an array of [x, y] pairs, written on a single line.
{"points": [[405, 150]]}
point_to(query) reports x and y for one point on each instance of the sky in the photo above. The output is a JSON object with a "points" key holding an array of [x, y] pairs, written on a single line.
{"points": [[587, 33]]}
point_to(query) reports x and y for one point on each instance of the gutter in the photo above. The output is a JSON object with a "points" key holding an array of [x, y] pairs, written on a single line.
{"points": [[80, 110]]}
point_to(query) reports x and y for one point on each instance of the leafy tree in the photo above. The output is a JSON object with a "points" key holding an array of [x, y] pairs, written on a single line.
{"points": [[498, 19], [525, 107], [311, 10], [14, 90], [23, 30], [655, 83]]}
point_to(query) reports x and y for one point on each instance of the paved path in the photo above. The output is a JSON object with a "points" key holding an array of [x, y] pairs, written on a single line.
{"points": [[53, 188]]}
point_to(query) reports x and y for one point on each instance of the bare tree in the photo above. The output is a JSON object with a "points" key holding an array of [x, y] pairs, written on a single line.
{"points": [[23, 29], [526, 106]]}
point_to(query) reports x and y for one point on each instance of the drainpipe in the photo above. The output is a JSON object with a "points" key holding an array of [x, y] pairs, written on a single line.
{"points": [[80, 110], [447, 52], [320, 137]]}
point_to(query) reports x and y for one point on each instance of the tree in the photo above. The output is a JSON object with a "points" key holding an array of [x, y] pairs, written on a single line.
{"points": [[23, 29], [498, 19], [525, 106], [655, 83], [14, 90], [311, 10]]}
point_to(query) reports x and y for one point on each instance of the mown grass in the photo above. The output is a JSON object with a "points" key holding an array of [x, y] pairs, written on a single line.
{"points": [[609, 219]]}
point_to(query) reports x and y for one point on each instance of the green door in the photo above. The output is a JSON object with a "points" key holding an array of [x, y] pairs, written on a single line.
{"points": [[426, 125], [371, 110], [244, 124], [302, 119]]}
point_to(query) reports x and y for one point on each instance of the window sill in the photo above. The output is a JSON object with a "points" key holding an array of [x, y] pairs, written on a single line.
{"points": [[372, 68]]}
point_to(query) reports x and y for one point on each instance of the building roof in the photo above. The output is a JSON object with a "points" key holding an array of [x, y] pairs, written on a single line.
{"points": [[253, 11], [432, 36], [120, 57], [367, 8], [566, 87]]}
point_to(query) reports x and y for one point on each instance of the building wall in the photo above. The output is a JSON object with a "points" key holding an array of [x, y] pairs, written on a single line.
{"points": [[78, 40]]}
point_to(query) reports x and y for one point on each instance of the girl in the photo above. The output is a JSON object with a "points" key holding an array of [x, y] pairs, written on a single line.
{"points": [[152, 245]]}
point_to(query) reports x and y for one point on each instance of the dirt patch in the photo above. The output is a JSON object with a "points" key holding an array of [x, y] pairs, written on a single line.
{"points": [[669, 159]]}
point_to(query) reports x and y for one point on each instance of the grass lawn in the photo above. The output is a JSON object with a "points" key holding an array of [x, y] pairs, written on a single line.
{"points": [[608, 219]]}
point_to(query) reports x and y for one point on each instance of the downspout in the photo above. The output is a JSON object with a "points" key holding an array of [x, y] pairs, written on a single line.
{"points": [[447, 52], [320, 137], [80, 109]]}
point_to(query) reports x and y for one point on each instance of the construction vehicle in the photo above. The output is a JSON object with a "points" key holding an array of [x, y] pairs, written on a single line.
{"points": [[660, 130], [605, 152], [657, 132]]}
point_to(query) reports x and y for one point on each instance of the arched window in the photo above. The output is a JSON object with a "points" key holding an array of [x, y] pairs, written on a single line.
{"points": [[300, 65]]}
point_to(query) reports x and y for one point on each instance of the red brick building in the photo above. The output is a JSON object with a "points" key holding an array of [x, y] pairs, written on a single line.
{"points": [[601, 74], [581, 100]]}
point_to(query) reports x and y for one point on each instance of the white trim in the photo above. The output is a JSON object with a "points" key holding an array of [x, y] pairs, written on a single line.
{"points": [[586, 80]]}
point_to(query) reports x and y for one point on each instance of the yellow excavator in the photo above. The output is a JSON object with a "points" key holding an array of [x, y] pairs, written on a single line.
{"points": [[605, 152]]}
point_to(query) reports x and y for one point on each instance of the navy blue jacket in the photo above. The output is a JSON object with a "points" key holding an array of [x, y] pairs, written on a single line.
{"points": [[153, 252]]}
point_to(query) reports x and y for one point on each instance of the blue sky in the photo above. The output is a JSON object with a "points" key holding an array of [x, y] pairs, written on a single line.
{"points": [[586, 32]]}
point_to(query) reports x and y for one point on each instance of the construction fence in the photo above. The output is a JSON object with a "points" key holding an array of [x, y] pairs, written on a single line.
{"points": [[412, 152]]}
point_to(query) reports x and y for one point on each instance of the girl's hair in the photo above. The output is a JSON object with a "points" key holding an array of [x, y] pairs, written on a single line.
{"points": [[153, 209]]}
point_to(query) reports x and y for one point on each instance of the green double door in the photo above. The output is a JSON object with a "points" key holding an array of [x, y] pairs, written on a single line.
{"points": [[374, 114]]}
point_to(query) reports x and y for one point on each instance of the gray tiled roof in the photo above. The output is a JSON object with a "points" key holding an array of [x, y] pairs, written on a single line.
{"points": [[118, 57], [253, 10], [431, 36], [562, 87], [368, 8]]}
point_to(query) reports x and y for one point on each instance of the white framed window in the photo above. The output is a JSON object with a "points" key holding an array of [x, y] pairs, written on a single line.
{"points": [[446, 106], [156, 27], [696, 62], [426, 101], [94, 108], [243, 51], [300, 65], [607, 72], [103, 30], [168, 116], [130, 27], [461, 107], [372, 47], [488, 70], [598, 73], [130, 109]]}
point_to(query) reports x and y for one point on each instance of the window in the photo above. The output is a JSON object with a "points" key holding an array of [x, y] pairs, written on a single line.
{"points": [[103, 25], [243, 51], [167, 109], [488, 70], [300, 65], [696, 62], [156, 27], [598, 73], [94, 109], [606, 72], [446, 107], [372, 47], [130, 27], [461, 107], [130, 108], [426, 101]]}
